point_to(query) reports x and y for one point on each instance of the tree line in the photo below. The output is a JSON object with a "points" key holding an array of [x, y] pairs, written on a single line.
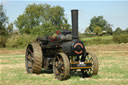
{"points": [[37, 19], [44, 19], [6, 28], [41, 19], [99, 26]]}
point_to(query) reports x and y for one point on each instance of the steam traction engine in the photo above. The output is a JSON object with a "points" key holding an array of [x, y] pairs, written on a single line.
{"points": [[62, 54]]}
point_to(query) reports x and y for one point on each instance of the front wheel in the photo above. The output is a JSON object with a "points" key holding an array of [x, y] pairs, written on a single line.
{"points": [[61, 66]]}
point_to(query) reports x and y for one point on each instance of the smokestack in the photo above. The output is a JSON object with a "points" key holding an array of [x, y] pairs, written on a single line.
{"points": [[74, 24]]}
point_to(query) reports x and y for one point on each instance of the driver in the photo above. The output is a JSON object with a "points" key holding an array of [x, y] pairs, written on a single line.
{"points": [[55, 34]]}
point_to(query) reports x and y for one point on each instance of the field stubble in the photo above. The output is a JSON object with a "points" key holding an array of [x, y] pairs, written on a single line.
{"points": [[113, 68]]}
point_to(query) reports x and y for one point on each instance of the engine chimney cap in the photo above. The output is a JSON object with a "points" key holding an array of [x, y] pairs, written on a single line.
{"points": [[74, 10]]}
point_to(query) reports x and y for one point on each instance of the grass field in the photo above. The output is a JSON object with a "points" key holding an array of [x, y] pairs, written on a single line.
{"points": [[97, 40], [113, 68]]}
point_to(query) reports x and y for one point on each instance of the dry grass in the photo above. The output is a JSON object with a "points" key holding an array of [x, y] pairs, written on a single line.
{"points": [[113, 60]]}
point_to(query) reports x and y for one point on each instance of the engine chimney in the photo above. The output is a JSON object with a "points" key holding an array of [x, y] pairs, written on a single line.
{"points": [[74, 24]]}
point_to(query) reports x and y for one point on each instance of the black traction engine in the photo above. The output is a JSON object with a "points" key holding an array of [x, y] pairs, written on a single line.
{"points": [[63, 54]]}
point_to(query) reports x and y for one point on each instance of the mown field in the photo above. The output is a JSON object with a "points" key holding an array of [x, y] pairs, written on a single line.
{"points": [[113, 68]]}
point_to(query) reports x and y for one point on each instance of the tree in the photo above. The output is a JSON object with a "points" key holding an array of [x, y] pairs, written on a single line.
{"points": [[101, 22], [87, 30], [57, 16], [31, 17], [5, 28], [97, 21], [98, 30], [126, 30], [108, 29], [37, 16], [118, 30], [3, 21], [10, 29], [48, 29]]}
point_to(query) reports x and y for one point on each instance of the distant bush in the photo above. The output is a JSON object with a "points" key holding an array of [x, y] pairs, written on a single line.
{"points": [[122, 38], [16, 41], [3, 40]]}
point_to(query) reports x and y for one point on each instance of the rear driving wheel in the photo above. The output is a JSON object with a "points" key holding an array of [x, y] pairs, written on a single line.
{"points": [[33, 58], [95, 66], [61, 66]]}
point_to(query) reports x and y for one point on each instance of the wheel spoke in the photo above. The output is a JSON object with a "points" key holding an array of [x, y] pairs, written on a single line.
{"points": [[56, 63], [59, 66], [90, 59], [29, 59], [62, 67], [88, 72], [94, 65], [87, 58], [57, 72], [61, 61], [58, 58], [30, 52], [29, 64], [62, 74], [30, 69]]}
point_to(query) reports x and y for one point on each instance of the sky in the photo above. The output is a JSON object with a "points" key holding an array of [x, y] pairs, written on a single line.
{"points": [[114, 11]]}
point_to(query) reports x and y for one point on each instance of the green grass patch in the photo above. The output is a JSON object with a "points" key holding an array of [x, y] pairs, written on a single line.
{"points": [[97, 40]]}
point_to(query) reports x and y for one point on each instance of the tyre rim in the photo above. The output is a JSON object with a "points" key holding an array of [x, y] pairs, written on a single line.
{"points": [[29, 59]]}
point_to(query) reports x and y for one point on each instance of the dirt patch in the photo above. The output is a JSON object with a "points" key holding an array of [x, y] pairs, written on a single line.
{"points": [[109, 47], [3, 61], [109, 50], [13, 51]]}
